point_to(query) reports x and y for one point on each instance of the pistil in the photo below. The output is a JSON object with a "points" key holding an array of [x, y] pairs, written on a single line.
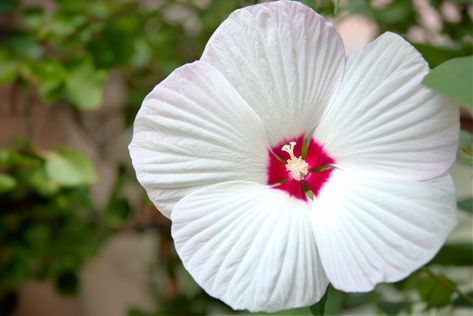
{"points": [[296, 166]]}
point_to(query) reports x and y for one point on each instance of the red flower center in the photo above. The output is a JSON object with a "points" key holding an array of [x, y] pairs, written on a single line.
{"points": [[299, 166]]}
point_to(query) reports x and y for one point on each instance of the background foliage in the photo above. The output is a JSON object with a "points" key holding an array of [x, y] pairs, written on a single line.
{"points": [[63, 53]]}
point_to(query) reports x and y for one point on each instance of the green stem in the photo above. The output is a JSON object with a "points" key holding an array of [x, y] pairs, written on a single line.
{"points": [[448, 284]]}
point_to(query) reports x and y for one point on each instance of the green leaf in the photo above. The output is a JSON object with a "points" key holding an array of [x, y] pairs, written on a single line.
{"points": [[454, 79], [318, 309], [466, 205], [84, 86], [69, 168], [7, 183], [460, 254], [433, 292]]}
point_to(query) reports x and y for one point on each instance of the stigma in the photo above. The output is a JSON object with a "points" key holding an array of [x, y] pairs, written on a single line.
{"points": [[296, 166]]}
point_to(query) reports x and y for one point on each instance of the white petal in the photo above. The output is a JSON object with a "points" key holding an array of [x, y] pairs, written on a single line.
{"points": [[285, 61], [194, 130], [370, 231], [250, 246], [384, 121]]}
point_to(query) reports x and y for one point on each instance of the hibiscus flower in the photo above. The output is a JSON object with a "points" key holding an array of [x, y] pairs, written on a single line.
{"points": [[284, 165]]}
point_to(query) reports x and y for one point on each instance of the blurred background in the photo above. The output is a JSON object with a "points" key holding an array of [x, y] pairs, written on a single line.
{"points": [[78, 236]]}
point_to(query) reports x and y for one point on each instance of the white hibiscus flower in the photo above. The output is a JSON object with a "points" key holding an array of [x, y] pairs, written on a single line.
{"points": [[285, 165]]}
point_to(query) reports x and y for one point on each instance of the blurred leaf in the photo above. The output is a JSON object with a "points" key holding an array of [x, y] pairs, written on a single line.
{"points": [[118, 209], [117, 212], [69, 168], [41, 183], [37, 235], [460, 301], [7, 183], [50, 76], [5, 157], [142, 53], [8, 70], [460, 254], [433, 292], [23, 161], [67, 283], [334, 302], [453, 78], [7, 6], [397, 12], [309, 3], [465, 150], [394, 308], [8, 302], [466, 205], [287, 312], [409, 283], [336, 7], [84, 86], [114, 45], [395, 16], [357, 299], [64, 25], [23, 45], [137, 312], [318, 309], [465, 154], [100, 9], [34, 17], [436, 55]]}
